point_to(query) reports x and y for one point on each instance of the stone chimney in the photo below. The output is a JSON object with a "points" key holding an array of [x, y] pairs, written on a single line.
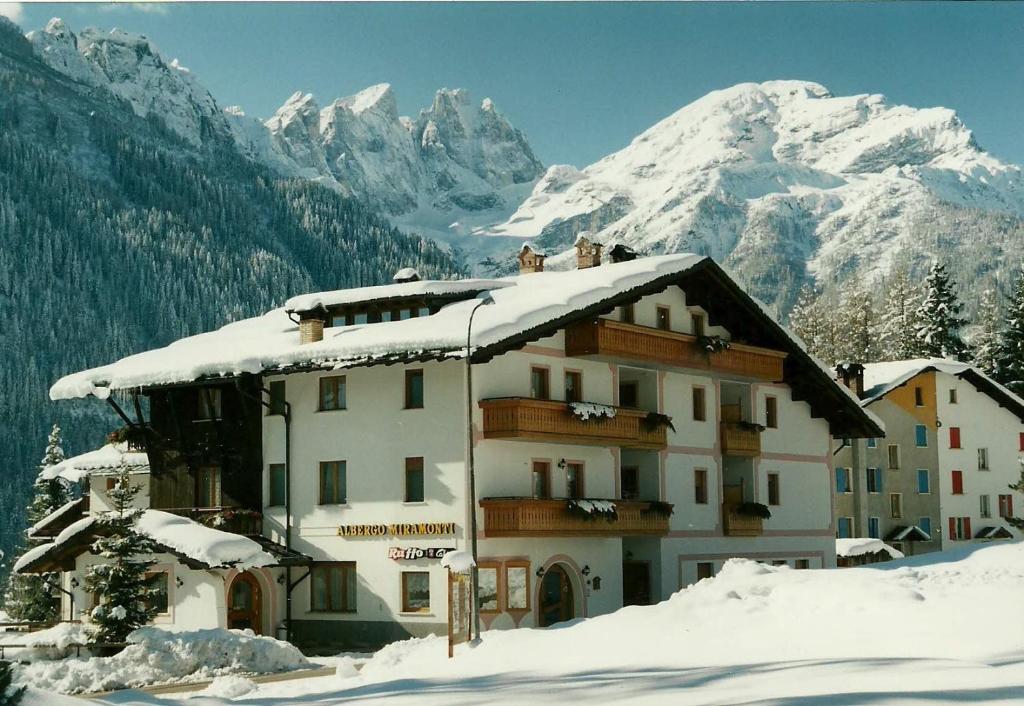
{"points": [[622, 253], [852, 376], [588, 253], [530, 260], [311, 330]]}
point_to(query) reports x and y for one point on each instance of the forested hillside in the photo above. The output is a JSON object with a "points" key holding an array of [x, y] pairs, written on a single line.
{"points": [[118, 235]]}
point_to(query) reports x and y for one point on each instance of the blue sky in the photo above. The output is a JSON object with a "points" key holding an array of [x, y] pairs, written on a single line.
{"points": [[582, 79]]}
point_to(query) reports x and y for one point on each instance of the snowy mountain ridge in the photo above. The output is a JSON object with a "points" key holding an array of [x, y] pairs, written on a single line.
{"points": [[825, 185]]}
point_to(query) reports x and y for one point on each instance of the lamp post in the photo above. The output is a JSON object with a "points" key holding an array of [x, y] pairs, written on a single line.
{"points": [[483, 299]]}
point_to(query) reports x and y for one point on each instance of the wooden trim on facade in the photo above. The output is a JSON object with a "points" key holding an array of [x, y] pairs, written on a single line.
{"points": [[533, 517]]}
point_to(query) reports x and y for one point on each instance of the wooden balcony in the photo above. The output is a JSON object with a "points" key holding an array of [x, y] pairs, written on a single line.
{"points": [[614, 339], [527, 419], [551, 517], [737, 525], [227, 519], [739, 439]]}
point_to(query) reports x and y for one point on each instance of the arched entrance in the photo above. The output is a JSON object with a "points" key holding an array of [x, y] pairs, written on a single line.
{"points": [[556, 597], [244, 601]]}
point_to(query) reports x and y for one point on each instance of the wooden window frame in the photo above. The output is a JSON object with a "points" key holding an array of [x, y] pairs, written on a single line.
{"points": [[874, 479], [498, 602], [697, 324], [918, 396], [166, 573], [546, 463], [778, 488], [571, 373], [209, 404], [889, 456], [347, 568], [771, 412], [545, 377], [898, 499], [411, 468], [953, 396], [283, 468], [215, 489], [984, 505], [340, 463], [411, 375], [338, 382], [517, 564], [700, 411], [406, 608], [1005, 505], [627, 314], [983, 464], [659, 310], [697, 487], [582, 482]]}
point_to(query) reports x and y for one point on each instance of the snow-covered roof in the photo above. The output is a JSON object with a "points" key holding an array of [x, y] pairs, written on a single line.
{"points": [[389, 292], [108, 458], [911, 533], [65, 511], [996, 532], [858, 546]]}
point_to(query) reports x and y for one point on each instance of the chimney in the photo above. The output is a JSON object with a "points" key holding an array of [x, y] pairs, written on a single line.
{"points": [[588, 254], [622, 253], [852, 376], [530, 260], [311, 330]]}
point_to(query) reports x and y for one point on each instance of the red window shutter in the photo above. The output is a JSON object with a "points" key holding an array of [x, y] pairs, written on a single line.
{"points": [[1020, 442], [954, 437], [958, 482], [967, 528], [952, 528]]}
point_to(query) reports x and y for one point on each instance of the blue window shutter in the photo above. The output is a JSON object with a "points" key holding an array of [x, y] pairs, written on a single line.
{"points": [[878, 479], [925, 523], [922, 480], [922, 435]]}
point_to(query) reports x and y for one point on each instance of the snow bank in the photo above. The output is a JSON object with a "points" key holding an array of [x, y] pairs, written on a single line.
{"points": [[858, 546], [159, 656], [213, 547], [230, 686]]}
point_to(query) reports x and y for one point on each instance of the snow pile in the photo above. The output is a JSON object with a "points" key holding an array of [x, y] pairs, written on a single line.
{"points": [[458, 562], [51, 643], [158, 656], [213, 547], [230, 686], [859, 546], [586, 410], [594, 507]]}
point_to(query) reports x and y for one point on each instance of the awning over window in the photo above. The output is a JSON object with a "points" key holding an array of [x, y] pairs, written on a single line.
{"points": [[997, 532], [911, 533]]}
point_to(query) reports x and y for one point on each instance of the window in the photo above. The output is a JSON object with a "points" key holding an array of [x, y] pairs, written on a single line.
{"points": [[488, 583], [1020, 441], [278, 484], [803, 564], [843, 480], [982, 459], [540, 481], [517, 587], [773, 489], [700, 412], [874, 527], [333, 587], [958, 482], [954, 437], [894, 456], [415, 592], [208, 487], [959, 527], [705, 570], [332, 392], [771, 412], [700, 486], [844, 527], [663, 318], [158, 600], [697, 324], [414, 389], [627, 314], [984, 506], [361, 318], [333, 483], [918, 397], [896, 505], [629, 394], [925, 523], [573, 386], [574, 480], [277, 398], [952, 395], [874, 476], [540, 388], [872, 443], [339, 320], [780, 562], [209, 403], [924, 485], [921, 435], [414, 480], [629, 478], [1006, 506], [111, 484]]}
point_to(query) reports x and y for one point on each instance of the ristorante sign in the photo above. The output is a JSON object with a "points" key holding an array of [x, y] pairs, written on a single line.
{"points": [[398, 529]]}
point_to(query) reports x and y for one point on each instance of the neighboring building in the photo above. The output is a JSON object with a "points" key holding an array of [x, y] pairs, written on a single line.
{"points": [[627, 418], [864, 550], [940, 476]]}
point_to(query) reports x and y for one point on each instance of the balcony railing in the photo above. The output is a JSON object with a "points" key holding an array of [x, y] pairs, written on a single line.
{"points": [[227, 519], [614, 339], [527, 419], [735, 524], [740, 439], [548, 517]]}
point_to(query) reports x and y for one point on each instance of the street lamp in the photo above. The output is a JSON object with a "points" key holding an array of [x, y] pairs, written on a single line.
{"points": [[483, 299]]}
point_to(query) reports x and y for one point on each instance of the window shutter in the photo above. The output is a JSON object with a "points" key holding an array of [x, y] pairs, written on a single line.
{"points": [[967, 528], [952, 528], [1020, 441], [954, 437], [958, 482]]}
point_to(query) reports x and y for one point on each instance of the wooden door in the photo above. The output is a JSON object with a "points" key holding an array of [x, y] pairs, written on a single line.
{"points": [[244, 601], [636, 583], [556, 598]]}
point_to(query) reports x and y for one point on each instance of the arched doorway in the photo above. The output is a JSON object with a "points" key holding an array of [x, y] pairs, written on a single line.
{"points": [[556, 597], [244, 601]]}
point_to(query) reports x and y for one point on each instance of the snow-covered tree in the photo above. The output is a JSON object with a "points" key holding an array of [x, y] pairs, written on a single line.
{"points": [[814, 322], [897, 326], [29, 596], [120, 581], [1010, 357], [987, 337], [857, 337], [938, 330]]}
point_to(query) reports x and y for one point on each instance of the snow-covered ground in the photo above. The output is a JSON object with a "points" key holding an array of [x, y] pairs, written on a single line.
{"points": [[923, 630]]}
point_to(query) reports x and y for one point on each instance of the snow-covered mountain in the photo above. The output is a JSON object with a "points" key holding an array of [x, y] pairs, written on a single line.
{"points": [[780, 177]]}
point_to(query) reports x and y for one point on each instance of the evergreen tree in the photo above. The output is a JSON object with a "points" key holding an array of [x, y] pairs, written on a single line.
{"points": [[1018, 522], [8, 696], [857, 325], [897, 326], [29, 596], [938, 331], [987, 337], [814, 323], [1010, 356], [121, 583]]}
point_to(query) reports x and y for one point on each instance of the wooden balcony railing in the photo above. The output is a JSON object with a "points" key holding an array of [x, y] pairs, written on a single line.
{"points": [[739, 439], [614, 339], [528, 419], [227, 519], [549, 517], [737, 525]]}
